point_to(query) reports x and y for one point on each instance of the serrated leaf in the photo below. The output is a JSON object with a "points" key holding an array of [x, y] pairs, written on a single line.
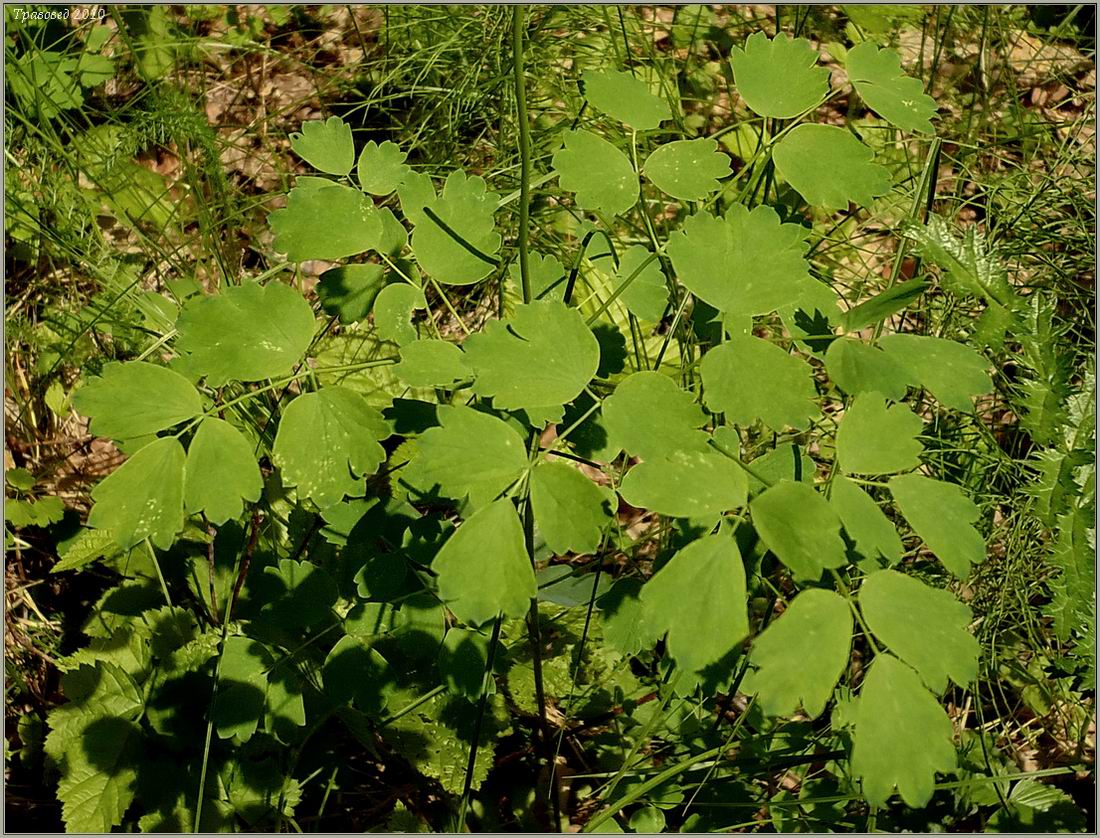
{"points": [[686, 484], [699, 599], [649, 416], [863, 520], [327, 146], [483, 569], [467, 207], [857, 367], [925, 627], [800, 528], [747, 263], [877, 438], [903, 737], [952, 372], [778, 77], [786, 675], [543, 355], [571, 511], [625, 98], [897, 98], [329, 223], [327, 442], [432, 363], [751, 379], [687, 169], [89, 546], [942, 515], [246, 333], [972, 267], [221, 472], [883, 305], [143, 498], [136, 399], [393, 309], [350, 290], [381, 168], [471, 454], [647, 294], [829, 167], [598, 172]]}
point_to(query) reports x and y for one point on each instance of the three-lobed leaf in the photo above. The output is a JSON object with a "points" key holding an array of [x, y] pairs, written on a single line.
{"points": [[686, 483], [464, 251], [381, 168], [649, 415], [327, 146], [778, 77], [863, 520], [570, 510], [221, 472], [952, 372], [349, 291], [877, 438], [858, 367], [899, 99], [329, 222], [432, 363], [800, 528]]}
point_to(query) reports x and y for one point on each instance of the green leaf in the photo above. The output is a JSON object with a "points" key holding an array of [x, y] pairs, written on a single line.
{"points": [[136, 399], [972, 267], [750, 379], [483, 569], [647, 294], [699, 599], [432, 363], [393, 308], [625, 98], [902, 736], [787, 461], [787, 676], [462, 662], [599, 173], [622, 617], [857, 367], [326, 146], [143, 498], [467, 207], [925, 627], [242, 687], [649, 416], [876, 438], [350, 290], [686, 484], [547, 277], [221, 472], [778, 77], [863, 520], [88, 546], [883, 305], [19, 478], [541, 356], [327, 442], [381, 168], [800, 528], [353, 671], [687, 169], [246, 333], [897, 98], [471, 454], [829, 167], [329, 223], [950, 371], [942, 515], [570, 510]]}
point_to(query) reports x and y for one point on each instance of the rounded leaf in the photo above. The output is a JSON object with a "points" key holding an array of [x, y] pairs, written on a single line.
{"points": [[829, 167], [599, 173], [687, 169], [625, 98], [327, 146], [777, 77], [135, 399]]}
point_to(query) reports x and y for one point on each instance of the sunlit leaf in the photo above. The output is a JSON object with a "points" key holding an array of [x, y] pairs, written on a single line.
{"points": [[381, 168], [221, 472], [597, 172], [143, 498], [327, 146], [829, 167], [136, 399], [330, 223], [877, 438], [571, 511], [687, 169], [799, 526], [624, 97], [942, 515], [896, 97], [778, 77]]}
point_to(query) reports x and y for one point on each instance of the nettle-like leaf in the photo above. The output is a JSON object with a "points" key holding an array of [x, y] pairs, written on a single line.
{"points": [[432, 363], [327, 146], [800, 528], [135, 399], [221, 472], [687, 169], [747, 263], [471, 454], [952, 372], [942, 515], [467, 207], [858, 367], [778, 77], [863, 520], [349, 291], [330, 223], [541, 356], [877, 438], [570, 510], [896, 97], [143, 498], [686, 483], [787, 676], [649, 415], [647, 294], [599, 173], [699, 599], [483, 569], [327, 442], [750, 379], [393, 310], [625, 98], [903, 737], [381, 168], [925, 627], [830, 167], [246, 333]]}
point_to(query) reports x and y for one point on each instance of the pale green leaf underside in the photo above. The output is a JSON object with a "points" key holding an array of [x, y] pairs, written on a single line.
{"points": [[699, 599], [686, 483], [800, 528], [625, 98], [483, 569], [952, 372], [571, 511], [687, 169], [330, 223], [143, 498], [599, 174], [649, 415], [221, 472], [897, 98], [925, 627], [863, 520], [327, 146], [829, 167], [801, 655], [467, 208], [778, 77], [942, 515], [381, 168], [877, 438], [136, 399], [432, 363], [857, 367]]}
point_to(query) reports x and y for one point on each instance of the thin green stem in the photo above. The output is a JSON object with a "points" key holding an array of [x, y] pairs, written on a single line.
{"points": [[524, 149]]}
